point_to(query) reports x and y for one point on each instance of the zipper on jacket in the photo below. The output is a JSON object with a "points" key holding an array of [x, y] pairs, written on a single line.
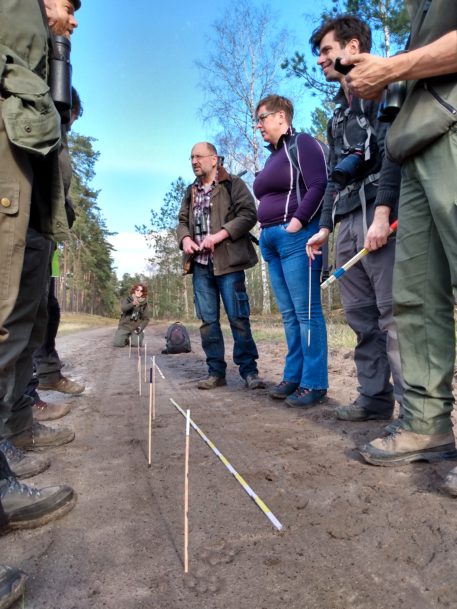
{"points": [[439, 99]]}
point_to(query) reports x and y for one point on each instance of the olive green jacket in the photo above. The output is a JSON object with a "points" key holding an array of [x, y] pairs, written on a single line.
{"points": [[30, 118], [232, 208], [31, 191]]}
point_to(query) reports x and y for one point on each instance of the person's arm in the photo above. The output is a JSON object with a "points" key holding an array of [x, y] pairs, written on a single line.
{"points": [[127, 305], [313, 171], [314, 244], [144, 317], [245, 213], [183, 232], [372, 73]]}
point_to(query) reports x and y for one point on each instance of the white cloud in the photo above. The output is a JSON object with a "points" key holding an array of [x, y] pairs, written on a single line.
{"points": [[131, 253]]}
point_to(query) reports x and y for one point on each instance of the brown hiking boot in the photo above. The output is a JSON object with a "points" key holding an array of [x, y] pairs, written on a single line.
{"points": [[63, 385], [212, 382], [403, 447], [12, 585], [253, 381], [27, 507], [22, 464], [40, 437], [42, 411]]}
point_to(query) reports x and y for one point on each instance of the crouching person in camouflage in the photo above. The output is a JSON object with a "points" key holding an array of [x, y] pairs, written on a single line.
{"points": [[134, 317]]}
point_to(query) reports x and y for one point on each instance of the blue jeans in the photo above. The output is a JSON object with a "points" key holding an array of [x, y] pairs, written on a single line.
{"points": [[289, 274], [209, 289]]}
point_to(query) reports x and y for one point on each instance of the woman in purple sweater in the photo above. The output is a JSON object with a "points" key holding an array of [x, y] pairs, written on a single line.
{"points": [[287, 221]]}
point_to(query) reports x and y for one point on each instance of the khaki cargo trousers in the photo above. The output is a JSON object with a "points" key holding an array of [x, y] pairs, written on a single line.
{"points": [[425, 275]]}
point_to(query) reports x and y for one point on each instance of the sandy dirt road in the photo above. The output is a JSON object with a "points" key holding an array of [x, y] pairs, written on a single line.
{"points": [[354, 536]]}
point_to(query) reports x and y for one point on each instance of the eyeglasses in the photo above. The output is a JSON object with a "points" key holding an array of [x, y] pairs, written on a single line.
{"points": [[261, 118], [197, 157], [139, 290]]}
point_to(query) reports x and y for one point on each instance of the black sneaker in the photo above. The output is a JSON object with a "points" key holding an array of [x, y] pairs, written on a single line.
{"points": [[22, 464], [303, 397], [27, 507], [12, 584]]}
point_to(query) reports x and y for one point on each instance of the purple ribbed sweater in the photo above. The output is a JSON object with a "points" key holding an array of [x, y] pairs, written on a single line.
{"points": [[274, 186]]}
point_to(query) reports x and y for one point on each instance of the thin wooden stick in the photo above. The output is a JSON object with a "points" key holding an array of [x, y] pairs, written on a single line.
{"points": [[139, 374], [153, 387], [150, 420], [186, 497], [309, 300], [145, 362], [130, 346]]}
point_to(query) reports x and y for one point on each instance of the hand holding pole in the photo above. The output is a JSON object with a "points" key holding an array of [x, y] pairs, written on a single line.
{"points": [[350, 263]]}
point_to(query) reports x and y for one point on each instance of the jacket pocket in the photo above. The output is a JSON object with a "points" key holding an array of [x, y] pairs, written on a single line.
{"points": [[30, 116], [9, 207], [243, 309], [240, 252]]}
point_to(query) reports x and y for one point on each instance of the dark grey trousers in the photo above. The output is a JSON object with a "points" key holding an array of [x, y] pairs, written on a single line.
{"points": [[366, 294], [26, 325]]}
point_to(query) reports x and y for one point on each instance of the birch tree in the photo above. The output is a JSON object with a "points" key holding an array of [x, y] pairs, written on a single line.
{"points": [[243, 66]]}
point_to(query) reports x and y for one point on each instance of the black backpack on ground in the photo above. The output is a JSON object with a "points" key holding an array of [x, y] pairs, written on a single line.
{"points": [[177, 339]]}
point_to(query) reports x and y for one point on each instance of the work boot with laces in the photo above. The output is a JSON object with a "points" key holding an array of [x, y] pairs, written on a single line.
{"points": [[211, 382], [40, 437], [12, 584], [282, 390], [355, 412], [27, 507], [403, 447], [62, 384], [253, 381], [22, 464], [42, 411]]}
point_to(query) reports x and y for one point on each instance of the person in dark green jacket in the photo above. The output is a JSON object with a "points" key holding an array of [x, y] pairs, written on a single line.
{"points": [[134, 317], [32, 204]]}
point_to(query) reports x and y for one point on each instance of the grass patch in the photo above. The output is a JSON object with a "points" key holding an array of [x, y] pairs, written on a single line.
{"points": [[75, 322], [265, 328]]}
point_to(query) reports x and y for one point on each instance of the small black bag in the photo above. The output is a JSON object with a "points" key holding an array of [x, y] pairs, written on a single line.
{"points": [[177, 339]]}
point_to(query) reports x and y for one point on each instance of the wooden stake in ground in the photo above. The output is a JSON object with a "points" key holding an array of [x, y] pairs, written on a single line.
{"points": [[139, 373], [145, 362], [150, 420], [153, 387], [130, 346], [186, 496], [309, 300]]}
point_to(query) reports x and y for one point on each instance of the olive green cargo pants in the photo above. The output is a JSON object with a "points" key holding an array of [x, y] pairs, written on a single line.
{"points": [[425, 275]]}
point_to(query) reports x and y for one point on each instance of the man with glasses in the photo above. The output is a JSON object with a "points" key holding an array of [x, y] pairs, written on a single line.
{"points": [[215, 218], [364, 206]]}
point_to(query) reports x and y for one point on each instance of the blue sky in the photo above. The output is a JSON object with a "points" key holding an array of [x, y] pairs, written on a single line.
{"points": [[134, 66]]}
